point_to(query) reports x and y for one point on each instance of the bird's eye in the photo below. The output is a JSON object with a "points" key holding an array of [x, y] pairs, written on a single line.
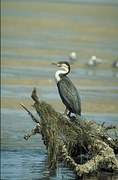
{"points": [[59, 65]]}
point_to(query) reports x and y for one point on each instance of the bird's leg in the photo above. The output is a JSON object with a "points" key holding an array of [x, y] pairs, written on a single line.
{"points": [[66, 110], [69, 113]]}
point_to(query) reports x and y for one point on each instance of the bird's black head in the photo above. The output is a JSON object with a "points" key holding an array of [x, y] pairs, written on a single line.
{"points": [[64, 65]]}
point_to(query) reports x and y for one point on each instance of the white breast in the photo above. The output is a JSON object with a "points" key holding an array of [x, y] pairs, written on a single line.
{"points": [[57, 77]]}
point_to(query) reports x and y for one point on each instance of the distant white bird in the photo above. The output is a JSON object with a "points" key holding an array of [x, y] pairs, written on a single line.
{"points": [[94, 61], [73, 56], [115, 63]]}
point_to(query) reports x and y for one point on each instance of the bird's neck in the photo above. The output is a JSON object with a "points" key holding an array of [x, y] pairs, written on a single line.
{"points": [[60, 73]]}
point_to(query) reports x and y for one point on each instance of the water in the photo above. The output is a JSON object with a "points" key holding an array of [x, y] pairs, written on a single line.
{"points": [[34, 35], [23, 159]]}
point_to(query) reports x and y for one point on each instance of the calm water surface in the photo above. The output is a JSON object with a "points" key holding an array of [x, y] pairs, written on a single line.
{"points": [[26, 159]]}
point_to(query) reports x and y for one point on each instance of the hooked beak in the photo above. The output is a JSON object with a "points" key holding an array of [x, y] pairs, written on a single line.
{"points": [[55, 64]]}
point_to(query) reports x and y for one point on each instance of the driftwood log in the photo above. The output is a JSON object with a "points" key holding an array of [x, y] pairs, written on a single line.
{"points": [[85, 150]]}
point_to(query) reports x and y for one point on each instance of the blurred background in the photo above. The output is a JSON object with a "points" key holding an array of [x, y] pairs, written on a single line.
{"points": [[33, 35]]}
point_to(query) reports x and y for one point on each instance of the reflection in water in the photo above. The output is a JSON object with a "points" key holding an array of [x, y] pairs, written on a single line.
{"points": [[30, 163], [23, 163], [115, 73], [101, 72], [90, 72], [24, 159]]}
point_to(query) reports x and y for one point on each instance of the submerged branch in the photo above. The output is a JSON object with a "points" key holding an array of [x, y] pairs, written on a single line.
{"points": [[33, 132]]}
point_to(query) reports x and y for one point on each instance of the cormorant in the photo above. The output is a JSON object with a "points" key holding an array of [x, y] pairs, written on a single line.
{"points": [[67, 91]]}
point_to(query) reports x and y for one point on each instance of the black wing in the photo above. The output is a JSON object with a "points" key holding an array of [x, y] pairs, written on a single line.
{"points": [[69, 95]]}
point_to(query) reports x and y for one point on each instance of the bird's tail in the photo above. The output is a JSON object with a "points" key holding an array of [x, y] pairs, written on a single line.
{"points": [[80, 118]]}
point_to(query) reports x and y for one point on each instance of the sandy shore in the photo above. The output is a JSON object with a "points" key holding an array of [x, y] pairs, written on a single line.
{"points": [[21, 27]]}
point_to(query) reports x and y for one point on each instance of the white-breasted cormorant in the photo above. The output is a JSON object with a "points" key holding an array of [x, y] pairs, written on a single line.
{"points": [[67, 91]]}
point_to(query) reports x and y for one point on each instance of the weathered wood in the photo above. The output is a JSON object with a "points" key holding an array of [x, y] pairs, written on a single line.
{"points": [[32, 116], [65, 139]]}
